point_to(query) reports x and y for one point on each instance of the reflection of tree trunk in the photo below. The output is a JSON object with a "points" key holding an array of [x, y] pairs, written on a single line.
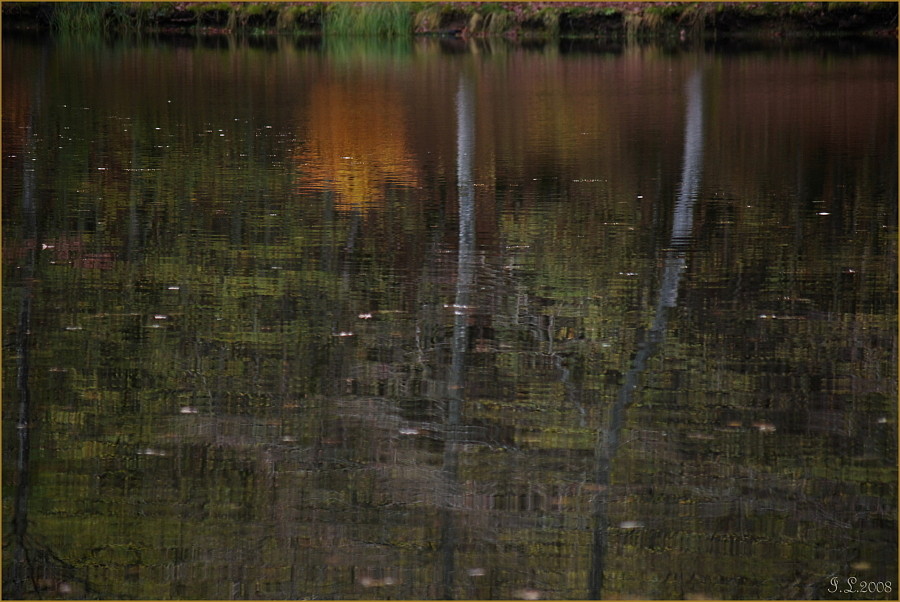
{"points": [[135, 197], [693, 162], [674, 263], [20, 564], [20, 514], [465, 272], [465, 259]]}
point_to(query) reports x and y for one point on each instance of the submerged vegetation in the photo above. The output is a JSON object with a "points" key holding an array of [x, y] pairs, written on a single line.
{"points": [[512, 19]]}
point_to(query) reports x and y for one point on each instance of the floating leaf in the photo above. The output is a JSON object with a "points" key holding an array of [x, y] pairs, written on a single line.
{"points": [[765, 427]]}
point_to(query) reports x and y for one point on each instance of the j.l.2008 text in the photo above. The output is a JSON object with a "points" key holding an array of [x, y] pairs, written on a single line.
{"points": [[852, 585]]}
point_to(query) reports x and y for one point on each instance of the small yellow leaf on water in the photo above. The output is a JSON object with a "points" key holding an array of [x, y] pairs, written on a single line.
{"points": [[152, 452], [861, 565], [370, 582], [765, 427]]}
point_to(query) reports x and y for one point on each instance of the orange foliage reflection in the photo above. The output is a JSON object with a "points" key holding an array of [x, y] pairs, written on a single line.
{"points": [[357, 144]]}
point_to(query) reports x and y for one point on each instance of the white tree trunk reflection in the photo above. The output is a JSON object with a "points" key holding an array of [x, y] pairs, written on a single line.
{"points": [[673, 266], [465, 268], [465, 275]]}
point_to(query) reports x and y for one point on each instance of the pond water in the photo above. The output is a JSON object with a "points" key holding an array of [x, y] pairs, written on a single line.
{"points": [[425, 319]]}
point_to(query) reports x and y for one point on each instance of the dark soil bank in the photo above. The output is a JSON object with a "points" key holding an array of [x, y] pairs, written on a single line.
{"points": [[465, 19]]}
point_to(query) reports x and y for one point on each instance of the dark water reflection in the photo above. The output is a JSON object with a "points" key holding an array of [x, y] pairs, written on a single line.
{"points": [[354, 320]]}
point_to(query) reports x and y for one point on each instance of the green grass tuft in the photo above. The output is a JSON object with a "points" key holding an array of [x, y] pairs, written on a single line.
{"points": [[79, 17], [389, 19]]}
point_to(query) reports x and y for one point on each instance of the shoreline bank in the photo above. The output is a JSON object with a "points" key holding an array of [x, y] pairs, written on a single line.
{"points": [[609, 20]]}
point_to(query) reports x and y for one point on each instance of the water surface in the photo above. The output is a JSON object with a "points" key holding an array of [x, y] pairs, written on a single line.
{"points": [[417, 320]]}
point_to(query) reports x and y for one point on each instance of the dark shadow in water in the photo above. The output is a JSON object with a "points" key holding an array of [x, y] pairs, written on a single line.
{"points": [[35, 570], [674, 264], [22, 571], [21, 575]]}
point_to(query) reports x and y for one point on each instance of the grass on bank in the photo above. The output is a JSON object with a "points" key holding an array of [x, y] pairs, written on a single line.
{"points": [[381, 19], [83, 17], [403, 19]]}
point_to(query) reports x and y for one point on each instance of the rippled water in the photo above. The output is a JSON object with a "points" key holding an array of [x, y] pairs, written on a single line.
{"points": [[421, 320]]}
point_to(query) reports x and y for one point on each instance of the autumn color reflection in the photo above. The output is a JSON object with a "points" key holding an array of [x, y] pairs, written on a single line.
{"points": [[357, 143]]}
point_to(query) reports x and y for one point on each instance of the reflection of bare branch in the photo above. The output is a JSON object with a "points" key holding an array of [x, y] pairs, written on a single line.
{"points": [[608, 439], [32, 562]]}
